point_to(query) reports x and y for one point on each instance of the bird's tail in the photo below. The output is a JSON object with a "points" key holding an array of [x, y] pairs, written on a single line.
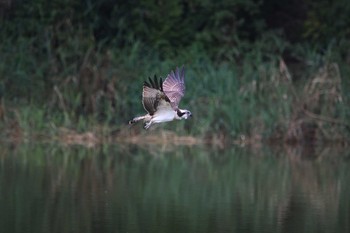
{"points": [[136, 119]]}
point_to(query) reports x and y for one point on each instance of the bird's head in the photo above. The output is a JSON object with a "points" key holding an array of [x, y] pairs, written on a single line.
{"points": [[183, 113]]}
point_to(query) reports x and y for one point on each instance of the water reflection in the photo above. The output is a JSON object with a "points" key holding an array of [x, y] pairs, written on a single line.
{"points": [[181, 189]]}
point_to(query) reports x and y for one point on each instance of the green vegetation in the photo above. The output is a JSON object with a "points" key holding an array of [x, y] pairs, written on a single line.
{"points": [[79, 65]]}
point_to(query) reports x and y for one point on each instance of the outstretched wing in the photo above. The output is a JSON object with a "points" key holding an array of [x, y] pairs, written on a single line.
{"points": [[174, 86], [153, 95]]}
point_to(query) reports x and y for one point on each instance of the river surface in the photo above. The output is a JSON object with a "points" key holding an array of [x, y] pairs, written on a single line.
{"points": [[121, 188]]}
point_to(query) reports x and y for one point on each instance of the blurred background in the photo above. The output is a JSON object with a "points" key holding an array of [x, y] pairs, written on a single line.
{"points": [[266, 151], [255, 70]]}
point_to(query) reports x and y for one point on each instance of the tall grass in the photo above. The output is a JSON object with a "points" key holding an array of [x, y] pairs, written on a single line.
{"points": [[82, 84]]}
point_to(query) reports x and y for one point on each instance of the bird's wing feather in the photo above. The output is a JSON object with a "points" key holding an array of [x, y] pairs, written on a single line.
{"points": [[174, 86], [153, 97]]}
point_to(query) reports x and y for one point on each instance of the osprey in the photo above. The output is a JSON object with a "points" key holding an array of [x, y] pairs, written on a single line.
{"points": [[161, 99]]}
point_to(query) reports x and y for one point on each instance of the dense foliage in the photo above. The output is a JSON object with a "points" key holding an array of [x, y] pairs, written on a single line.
{"points": [[80, 56], [62, 31]]}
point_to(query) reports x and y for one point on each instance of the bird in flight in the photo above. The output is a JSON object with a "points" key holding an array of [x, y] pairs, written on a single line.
{"points": [[161, 99]]}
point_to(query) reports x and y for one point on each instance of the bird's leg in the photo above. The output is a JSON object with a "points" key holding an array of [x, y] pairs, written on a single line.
{"points": [[147, 124]]}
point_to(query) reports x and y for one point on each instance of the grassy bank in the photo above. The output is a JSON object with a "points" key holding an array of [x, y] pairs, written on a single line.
{"points": [[73, 70], [253, 97]]}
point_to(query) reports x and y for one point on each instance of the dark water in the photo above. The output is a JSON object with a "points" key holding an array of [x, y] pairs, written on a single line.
{"points": [[46, 188]]}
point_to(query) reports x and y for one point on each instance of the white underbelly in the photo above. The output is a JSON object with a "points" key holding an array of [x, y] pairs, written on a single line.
{"points": [[164, 116]]}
